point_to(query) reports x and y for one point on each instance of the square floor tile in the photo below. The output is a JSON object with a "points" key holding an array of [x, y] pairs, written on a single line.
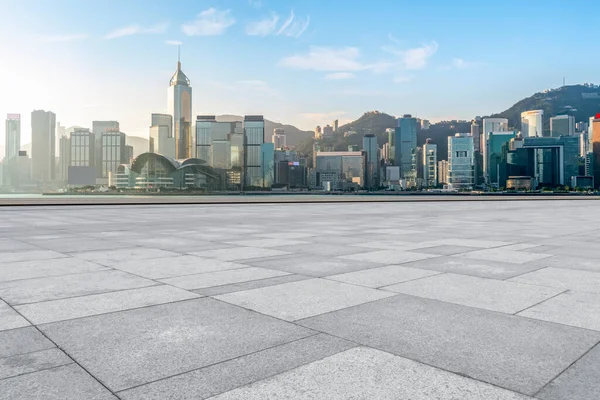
{"points": [[388, 256], [446, 250], [240, 253], [489, 294], [30, 255], [509, 351], [84, 306], [571, 308], [323, 249], [382, 276], [168, 267], [31, 362], [9, 318], [210, 279], [45, 268], [516, 257], [60, 287], [315, 266], [363, 373], [269, 242], [240, 286], [69, 382], [134, 347], [23, 340], [297, 300], [480, 268], [120, 255], [583, 281]]}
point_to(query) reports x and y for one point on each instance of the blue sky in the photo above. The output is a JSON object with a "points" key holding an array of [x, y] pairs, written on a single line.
{"points": [[300, 62]]}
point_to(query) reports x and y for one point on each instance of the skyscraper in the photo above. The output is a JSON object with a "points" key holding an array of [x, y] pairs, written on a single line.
{"points": [[209, 132], [532, 124], [180, 108], [372, 159], [161, 135], [254, 134], [43, 145], [595, 147], [493, 154], [279, 138], [336, 125], [494, 125], [461, 166], [430, 163], [98, 128], [562, 125], [12, 140], [405, 145]]}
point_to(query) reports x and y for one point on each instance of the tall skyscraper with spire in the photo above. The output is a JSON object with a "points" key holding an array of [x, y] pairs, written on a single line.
{"points": [[180, 107]]}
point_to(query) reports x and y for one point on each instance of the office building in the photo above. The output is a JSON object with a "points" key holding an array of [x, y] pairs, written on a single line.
{"points": [[336, 125], [339, 170], [254, 133], [64, 158], [208, 131], [493, 155], [162, 140], [327, 131], [562, 125], [83, 146], [220, 154], [405, 146], [113, 152], [289, 169], [595, 147], [442, 171], [43, 146], [98, 128], [425, 124], [372, 161], [532, 123], [494, 125], [430, 163], [385, 152], [180, 108], [476, 133], [268, 164], [12, 145], [461, 166], [237, 145], [279, 138], [391, 135]]}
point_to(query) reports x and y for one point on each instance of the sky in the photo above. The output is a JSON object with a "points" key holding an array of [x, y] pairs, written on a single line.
{"points": [[303, 62]]}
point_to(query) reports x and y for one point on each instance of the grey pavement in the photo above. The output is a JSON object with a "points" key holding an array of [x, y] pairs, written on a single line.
{"points": [[399, 300]]}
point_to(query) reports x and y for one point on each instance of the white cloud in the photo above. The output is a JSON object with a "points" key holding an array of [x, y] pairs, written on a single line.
{"points": [[173, 42], [415, 58], [403, 78], [211, 22], [338, 76], [344, 59], [263, 27], [255, 3], [323, 116], [293, 26], [64, 38], [137, 30], [459, 63], [287, 23]]}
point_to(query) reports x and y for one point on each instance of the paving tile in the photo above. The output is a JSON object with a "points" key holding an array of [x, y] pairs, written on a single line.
{"points": [[481, 243], [240, 253], [68, 382], [59, 287], [390, 245], [30, 255], [382, 276], [323, 249], [45, 268], [23, 340], [286, 235], [177, 244], [516, 257], [77, 307], [388, 256], [445, 250], [480, 268], [316, 266], [489, 294], [583, 281], [269, 242], [580, 381], [167, 267], [297, 300], [219, 278], [238, 287], [9, 318], [120, 255], [509, 351], [579, 309], [363, 373], [212, 380], [7, 245], [569, 262], [32, 362], [134, 347], [71, 245]]}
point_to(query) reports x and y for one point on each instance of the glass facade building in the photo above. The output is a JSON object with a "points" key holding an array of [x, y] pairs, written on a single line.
{"points": [[82, 148], [372, 159], [254, 134], [341, 168], [180, 108], [461, 167], [493, 155], [562, 125], [113, 152], [532, 124], [405, 145], [161, 135], [430, 164], [268, 164]]}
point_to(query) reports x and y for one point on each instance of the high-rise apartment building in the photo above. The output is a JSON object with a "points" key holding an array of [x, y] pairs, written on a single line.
{"points": [[442, 171], [461, 165], [43, 146], [327, 131], [372, 161], [64, 158], [162, 140], [562, 125], [391, 134], [406, 145], [476, 133], [180, 108], [425, 124], [492, 125], [336, 125], [279, 138], [532, 123], [254, 133], [430, 163], [595, 147]]}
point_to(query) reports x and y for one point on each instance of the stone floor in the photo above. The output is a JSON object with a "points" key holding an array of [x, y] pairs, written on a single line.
{"points": [[451, 300]]}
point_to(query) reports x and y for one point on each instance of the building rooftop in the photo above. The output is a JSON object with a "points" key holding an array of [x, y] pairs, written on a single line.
{"points": [[409, 300]]}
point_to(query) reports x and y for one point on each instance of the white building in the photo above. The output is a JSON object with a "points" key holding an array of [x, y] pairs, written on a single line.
{"points": [[180, 108], [162, 140], [461, 163], [430, 163], [532, 123], [494, 125], [279, 138]]}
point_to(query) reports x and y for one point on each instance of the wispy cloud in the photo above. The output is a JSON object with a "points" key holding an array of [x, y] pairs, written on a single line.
{"points": [[287, 23], [264, 27], [294, 26], [403, 78], [343, 59], [459, 63], [64, 38], [323, 116], [137, 30], [414, 58], [255, 3], [173, 42], [210, 22], [338, 76]]}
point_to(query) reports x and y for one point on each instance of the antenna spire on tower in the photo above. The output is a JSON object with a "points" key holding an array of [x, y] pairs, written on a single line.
{"points": [[179, 56]]}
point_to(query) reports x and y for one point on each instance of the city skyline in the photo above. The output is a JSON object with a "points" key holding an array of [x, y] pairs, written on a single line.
{"points": [[298, 63]]}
